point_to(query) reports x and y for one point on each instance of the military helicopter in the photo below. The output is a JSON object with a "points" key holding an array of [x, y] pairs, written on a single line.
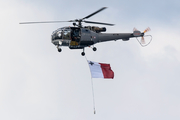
{"points": [[79, 37]]}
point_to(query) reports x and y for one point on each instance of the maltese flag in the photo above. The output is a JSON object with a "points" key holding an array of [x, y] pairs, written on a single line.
{"points": [[100, 70]]}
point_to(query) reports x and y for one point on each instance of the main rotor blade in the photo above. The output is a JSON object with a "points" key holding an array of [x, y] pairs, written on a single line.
{"points": [[98, 23], [45, 22], [95, 13]]}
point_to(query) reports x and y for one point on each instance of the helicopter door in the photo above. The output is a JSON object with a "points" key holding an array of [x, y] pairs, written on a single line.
{"points": [[75, 36]]}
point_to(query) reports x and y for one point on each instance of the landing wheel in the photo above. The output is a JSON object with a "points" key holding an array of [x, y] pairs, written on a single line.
{"points": [[83, 53], [94, 48], [59, 49]]}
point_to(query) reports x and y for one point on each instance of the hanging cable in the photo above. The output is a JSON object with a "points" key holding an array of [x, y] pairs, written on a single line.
{"points": [[92, 89]]}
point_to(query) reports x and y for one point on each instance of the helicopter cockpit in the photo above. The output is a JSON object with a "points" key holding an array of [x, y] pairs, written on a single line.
{"points": [[66, 36], [61, 36]]}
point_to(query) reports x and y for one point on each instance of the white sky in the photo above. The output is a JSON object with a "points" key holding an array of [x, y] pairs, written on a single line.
{"points": [[37, 82]]}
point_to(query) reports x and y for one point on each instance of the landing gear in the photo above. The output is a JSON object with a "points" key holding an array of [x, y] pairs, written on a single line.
{"points": [[58, 48], [83, 53], [94, 48]]}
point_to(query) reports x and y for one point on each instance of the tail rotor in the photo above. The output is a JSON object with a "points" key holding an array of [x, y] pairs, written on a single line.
{"points": [[143, 42], [146, 30]]}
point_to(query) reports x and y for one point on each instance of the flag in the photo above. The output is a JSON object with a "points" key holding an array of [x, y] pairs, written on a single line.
{"points": [[100, 70]]}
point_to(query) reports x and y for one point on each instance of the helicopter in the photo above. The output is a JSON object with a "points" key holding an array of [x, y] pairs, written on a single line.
{"points": [[79, 36]]}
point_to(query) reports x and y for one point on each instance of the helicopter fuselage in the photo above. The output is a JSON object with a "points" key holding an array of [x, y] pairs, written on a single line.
{"points": [[79, 38]]}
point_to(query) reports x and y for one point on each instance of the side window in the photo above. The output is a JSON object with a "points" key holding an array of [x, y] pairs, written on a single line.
{"points": [[59, 34], [76, 32], [66, 34]]}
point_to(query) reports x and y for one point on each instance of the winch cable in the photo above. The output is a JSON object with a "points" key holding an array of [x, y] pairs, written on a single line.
{"points": [[92, 85]]}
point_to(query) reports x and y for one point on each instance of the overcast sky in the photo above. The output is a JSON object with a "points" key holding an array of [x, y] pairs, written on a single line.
{"points": [[38, 83]]}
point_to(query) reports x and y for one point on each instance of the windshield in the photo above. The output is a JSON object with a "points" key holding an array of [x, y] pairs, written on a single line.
{"points": [[62, 34], [66, 34]]}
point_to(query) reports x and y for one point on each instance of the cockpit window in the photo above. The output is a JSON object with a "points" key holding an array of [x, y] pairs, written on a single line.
{"points": [[59, 34], [62, 33], [66, 34]]}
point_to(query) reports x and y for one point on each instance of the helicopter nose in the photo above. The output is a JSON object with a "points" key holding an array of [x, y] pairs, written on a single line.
{"points": [[53, 39]]}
